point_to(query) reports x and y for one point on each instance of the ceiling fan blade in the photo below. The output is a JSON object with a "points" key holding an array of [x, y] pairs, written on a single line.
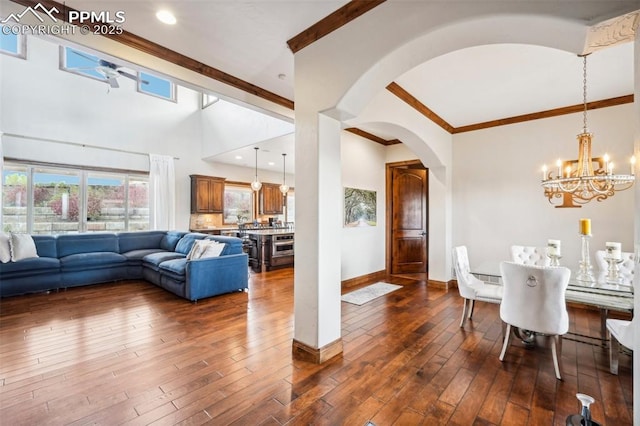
{"points": [[113, 82], [132, 77]]}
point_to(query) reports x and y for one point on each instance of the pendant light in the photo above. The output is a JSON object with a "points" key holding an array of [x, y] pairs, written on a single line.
{"points": [[577, 180], [256, 184], [284, 188]]}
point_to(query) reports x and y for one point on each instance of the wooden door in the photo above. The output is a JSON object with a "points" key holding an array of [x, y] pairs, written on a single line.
{"points": [[409, 215]]}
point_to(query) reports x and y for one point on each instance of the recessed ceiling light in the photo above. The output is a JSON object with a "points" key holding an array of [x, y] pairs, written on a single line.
{"points": [[271, 163], [166, 17], [238, 157]]}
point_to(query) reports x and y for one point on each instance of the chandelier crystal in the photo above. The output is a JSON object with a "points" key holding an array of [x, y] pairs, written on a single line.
{"points": [[256, 184], [284, 188], [577, 181]]}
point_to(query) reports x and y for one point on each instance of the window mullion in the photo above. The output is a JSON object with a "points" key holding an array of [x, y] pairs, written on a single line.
{"points": [[30, 200], [84, 196]]}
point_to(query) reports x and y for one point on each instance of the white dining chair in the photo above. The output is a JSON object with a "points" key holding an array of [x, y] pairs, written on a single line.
{"points": [[470, 287], [620, 332], [625, 268], [534, 299], [530, 255]]}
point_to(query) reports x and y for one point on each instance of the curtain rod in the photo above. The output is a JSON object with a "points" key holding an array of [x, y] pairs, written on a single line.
{"points": [[83, 145]]}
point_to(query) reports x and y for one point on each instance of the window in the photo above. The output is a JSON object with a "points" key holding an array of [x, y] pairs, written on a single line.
{"points": [[58, 200], [290, 216], [81, 63], [12, 44], [238, 204], [208, 100], [156, 86]]}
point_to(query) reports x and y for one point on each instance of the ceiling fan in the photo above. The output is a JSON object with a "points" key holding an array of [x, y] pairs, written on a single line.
{"points": [[109, 70]]}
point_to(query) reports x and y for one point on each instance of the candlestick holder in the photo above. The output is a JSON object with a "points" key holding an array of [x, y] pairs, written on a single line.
{"points": [[585, 272], [555, 259], [613, 271]]}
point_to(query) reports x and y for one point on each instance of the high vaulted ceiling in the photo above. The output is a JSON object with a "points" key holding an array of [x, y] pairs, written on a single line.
{"points": [[248, 40]]}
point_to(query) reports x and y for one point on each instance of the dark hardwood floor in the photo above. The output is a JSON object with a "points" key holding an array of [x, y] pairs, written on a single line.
{"points": [[130, 353]]}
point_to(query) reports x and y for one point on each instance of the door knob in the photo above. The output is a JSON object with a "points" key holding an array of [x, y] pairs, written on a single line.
{"points": [[423, 233]]}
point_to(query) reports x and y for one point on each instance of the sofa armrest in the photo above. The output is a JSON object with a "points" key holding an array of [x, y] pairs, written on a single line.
{"points": [[216, 275]]}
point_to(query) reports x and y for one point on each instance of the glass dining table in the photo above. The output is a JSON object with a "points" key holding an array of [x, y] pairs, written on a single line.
{"points": [[602, 293]]}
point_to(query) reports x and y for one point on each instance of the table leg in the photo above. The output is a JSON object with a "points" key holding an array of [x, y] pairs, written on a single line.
{"points": [[604, 312]]}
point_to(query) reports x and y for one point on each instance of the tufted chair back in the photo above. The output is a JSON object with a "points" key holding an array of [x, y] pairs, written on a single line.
{"points": [[529, 255], [534, 297], [625, 268], [466, 280]]}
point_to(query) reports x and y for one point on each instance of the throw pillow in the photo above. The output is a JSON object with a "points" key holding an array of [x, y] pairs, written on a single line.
{"points": [[22, 247], [213, 250], [5, 248], [196, 250]]}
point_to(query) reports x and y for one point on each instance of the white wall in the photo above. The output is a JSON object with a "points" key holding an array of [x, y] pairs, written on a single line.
{"points": [[363, 167], [497, 198]]}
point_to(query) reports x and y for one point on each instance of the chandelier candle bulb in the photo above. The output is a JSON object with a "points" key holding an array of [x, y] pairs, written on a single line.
{"points": [[614, 250], [585, 226], [633, 165], [553, 247], [544, 171], [559, 164]]}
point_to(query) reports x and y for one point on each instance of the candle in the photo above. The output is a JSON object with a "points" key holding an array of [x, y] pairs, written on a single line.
{"points": [[559, 165], [544, 172], [553, 247], [568, 170], [585, 226], [614, 250], [633, 165], [605, 158]]}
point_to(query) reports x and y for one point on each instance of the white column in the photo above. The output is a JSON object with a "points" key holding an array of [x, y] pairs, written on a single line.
{"points": [[636, 239], [318, 233]]}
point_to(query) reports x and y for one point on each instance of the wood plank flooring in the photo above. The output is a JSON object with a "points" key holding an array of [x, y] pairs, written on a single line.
{"points": [[131, 353]]}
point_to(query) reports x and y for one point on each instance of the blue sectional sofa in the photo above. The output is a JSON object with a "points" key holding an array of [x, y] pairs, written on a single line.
{"points": [[159, 257]]}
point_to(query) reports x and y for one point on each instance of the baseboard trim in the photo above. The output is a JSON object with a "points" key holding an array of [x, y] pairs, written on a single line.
{"points": [[365, 279], [440, 284], [303, 352]]}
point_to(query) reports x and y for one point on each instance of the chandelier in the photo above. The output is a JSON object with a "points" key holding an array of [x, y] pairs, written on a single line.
{"points": [[576, 181], [256, 184], [284, 188]]}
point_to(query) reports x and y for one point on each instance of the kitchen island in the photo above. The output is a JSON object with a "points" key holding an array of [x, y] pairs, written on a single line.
{"points": [[271, 248]]}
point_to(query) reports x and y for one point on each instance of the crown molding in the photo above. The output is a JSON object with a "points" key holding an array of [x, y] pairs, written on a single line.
{"points": [[372, 137], [414, 103]]}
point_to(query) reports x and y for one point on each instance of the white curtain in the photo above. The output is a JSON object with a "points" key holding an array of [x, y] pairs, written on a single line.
{"points": [[162, 192]]}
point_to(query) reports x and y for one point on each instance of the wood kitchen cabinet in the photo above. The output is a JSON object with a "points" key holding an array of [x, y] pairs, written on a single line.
{"points": [[207, 194], [271, 199]]}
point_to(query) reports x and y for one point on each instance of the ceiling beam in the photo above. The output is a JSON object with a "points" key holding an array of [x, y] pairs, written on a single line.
{"points": [[332, 22], [154, 49], [605, 103], [410, 100]]}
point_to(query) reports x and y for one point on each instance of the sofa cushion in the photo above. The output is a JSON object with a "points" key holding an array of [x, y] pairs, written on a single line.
{"points": [[232, 245], [170, 240], [68, 244], [34, 265], [46, 245], [91, 260], [137, 255], [176, 267], [153, 260], [186, 242], [129, 241]]}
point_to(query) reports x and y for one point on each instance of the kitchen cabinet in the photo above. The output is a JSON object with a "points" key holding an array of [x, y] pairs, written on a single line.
{"points": [[207, 194], [271, 199]]}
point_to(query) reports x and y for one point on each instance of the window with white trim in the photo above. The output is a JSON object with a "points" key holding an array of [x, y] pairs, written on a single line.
{"points": [[47, 199], [12, 44]]}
